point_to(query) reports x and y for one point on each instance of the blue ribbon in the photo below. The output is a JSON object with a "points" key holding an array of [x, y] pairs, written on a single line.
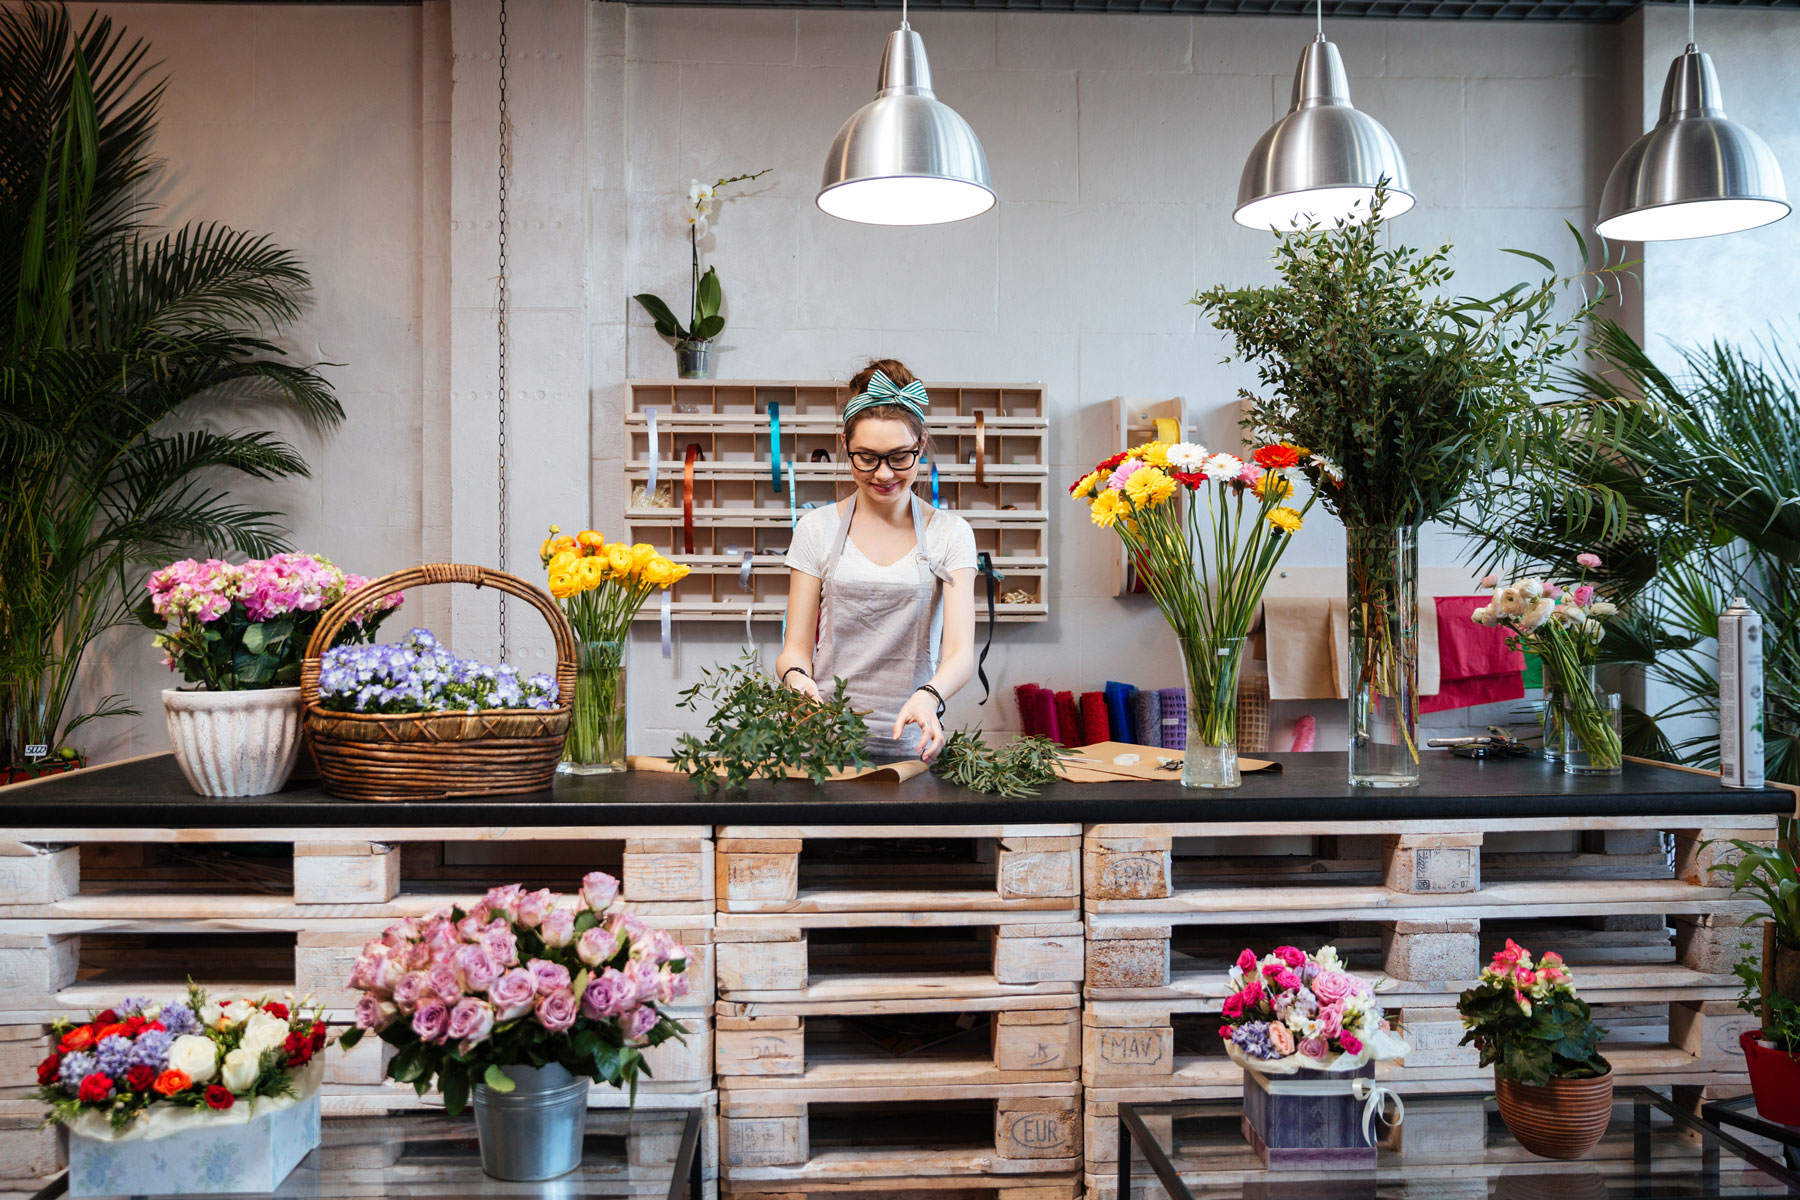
{"points": [[775, 447], [883, 390], [935, 502]]}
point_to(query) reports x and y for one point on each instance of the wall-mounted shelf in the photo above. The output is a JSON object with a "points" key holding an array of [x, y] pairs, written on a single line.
{"points": [[737, 509], [1134, 423]]}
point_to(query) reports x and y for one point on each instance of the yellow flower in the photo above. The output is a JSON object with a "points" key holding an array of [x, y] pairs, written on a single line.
{"points": [[1154, 453], [642, 553], [592, 572], [1273, 485], [563, 560], [1148, 487], [1286, 519], [618, 557], [561, 543], [589, 540], [679, 572], [1108, 507], [564, 584], [1084, 487]]}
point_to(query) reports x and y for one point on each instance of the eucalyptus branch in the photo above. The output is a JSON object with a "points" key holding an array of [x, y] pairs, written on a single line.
{"points": [[759, 728], [1016, 770]]}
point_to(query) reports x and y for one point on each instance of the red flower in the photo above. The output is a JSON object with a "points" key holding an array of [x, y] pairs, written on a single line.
{"points": [[78, 1038], [1277, 457], [48, 1068], [276, 1009], [1112, 462], [318, 1035], [140, 1077], [106, 1031], [105, 1017], [154, 1027], [299, 1049], [1188, 479], [219, 1097], [1225, 1032], [96, 1088], [134, 1025]]}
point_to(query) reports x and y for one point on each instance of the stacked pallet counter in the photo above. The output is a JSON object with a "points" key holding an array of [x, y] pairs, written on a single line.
{"points": [[911, 987]]}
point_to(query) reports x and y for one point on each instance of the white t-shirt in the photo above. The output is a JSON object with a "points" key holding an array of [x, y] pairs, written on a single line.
{"points": [[948, 539]]}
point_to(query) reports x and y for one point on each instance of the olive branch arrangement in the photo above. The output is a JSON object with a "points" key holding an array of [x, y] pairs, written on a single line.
{"points": [[1016, 770], [760, 728]]}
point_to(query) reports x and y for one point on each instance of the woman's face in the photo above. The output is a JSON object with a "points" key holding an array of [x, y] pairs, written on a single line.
{"points": [[875, 447]]}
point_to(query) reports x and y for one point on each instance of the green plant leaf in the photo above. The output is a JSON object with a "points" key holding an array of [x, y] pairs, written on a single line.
{"points": [[495, 1078], [666, 324], [709, 296], [709, 327]]}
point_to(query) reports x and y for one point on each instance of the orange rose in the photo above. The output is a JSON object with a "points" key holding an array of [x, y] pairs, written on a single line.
{"points": [[171, 1081], [78, 1038], [106, 1031]]}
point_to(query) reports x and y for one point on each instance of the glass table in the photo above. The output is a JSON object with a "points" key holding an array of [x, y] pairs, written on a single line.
{"points": [[423, 1154], [1453, 1145], [1740, 1113]]}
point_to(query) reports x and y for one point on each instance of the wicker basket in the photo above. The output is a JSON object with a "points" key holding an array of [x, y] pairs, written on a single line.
{"points": [[419, 756]]}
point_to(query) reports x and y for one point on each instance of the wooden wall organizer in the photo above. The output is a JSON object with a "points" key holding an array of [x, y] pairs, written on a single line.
{"points": [[1134, 423], [737, 510]]}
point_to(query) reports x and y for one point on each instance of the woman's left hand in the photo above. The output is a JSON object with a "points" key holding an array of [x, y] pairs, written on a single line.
{"points": [[921, 710]]}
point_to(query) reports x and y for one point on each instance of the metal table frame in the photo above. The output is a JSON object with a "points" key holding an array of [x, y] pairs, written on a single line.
{"points": [[1132, 1129], [1731, 1112]]}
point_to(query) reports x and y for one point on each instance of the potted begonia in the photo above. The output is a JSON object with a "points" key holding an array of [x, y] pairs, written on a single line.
{"points": [[1553, 1086], [518, 1002], [237, 633]]}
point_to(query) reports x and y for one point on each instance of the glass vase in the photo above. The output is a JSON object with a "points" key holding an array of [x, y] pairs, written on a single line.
{"points": [[1554, 699], [1382, 579], [1210, 760], [596, 744], [1591, 728]]}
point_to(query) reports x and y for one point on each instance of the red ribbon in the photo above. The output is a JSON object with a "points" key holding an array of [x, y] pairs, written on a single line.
{"points": [[694, 453]]}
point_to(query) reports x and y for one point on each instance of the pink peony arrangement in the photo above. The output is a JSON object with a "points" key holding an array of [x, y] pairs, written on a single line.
{"points": [[1292, 1009], [522, 978]]}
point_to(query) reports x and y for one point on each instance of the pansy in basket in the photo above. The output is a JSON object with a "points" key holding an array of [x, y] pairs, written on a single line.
{"points": [[1293, 1010], [522, 978], [417, 674], [139, 1056]]}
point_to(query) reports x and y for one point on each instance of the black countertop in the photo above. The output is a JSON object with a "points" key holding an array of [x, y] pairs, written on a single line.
{"points": [[151, 793]]}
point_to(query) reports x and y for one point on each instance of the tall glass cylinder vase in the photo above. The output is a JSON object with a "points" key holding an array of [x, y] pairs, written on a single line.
{"points": [[1591, 730], [1210, 760], [1555, 700], [1382, 564], [596, 744]]}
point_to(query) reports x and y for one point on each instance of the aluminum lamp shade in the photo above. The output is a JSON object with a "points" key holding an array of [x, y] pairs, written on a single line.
{"points": [[906, 157], [1697, 173], [1323, 160]]}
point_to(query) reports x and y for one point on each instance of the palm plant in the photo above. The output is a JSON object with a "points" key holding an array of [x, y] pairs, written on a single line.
{"points": [[113, 339], [1688, 486]]}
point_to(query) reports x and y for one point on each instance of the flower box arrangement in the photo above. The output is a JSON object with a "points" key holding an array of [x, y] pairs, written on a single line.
{"points": [[412, 720], [601, 586], [1308, 1034], [196, 1097], [1526, 1020], [1562, 623], [1180, 510], [236, 633], [526, 992], [693, 341]]}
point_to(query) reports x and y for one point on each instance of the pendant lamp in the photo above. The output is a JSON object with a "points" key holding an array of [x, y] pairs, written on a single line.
{"points": [[906, 157], [1324, 159], [1698, 173]]}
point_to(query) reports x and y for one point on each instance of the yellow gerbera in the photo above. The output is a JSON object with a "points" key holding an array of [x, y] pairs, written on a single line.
{"points": [[1275, 485], [1108, 507], [1154, 453], [1149, 487], [1084, 487], [1286, 519]]}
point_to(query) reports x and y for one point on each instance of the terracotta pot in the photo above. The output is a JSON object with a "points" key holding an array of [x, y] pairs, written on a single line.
{"points": [[1564, 1118], [1774, 1079]]}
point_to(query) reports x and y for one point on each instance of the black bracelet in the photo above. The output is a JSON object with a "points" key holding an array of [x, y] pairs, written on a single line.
{"points": [[926, 687], [791, 670]]}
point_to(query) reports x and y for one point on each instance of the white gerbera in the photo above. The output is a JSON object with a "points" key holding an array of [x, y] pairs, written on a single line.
{"points": [[1187, 457], [1221, 468]]}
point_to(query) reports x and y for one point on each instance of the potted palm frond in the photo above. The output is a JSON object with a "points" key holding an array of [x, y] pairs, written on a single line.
{"points": [[117, 329]]}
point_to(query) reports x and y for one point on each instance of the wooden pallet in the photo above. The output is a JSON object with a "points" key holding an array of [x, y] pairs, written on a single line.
{"points": [[762, 869], [1012, 1039]]}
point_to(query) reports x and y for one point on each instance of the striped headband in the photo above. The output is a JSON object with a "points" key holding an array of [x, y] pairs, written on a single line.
{"points": [[882, 390]]}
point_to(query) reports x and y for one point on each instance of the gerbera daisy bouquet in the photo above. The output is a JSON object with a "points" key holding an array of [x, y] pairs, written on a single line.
{"points": [[1204, 531], [1290, 1010]]}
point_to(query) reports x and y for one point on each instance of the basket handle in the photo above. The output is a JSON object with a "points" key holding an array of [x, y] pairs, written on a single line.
{"points": [[339, 615]]}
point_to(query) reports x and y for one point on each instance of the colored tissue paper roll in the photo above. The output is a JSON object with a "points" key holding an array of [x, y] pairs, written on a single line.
{"points": [[1043, 707], [1068, 723], [1174, 718], [1022, 695], [1094, 727], [1118, 711], [1146, 716]]}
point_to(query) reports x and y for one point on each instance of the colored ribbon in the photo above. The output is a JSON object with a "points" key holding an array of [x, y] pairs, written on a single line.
{"points": [[1174, 718], [882, 390], [935, 502], [984, 563], [744, 571], [694, 454], [1043, 708], [1168, 430], [775, 447], [668, 644], [793, 516], [1146, 716], [980, 448], [1118, 711], [1022, 695], [749, 637], [650, 489]]}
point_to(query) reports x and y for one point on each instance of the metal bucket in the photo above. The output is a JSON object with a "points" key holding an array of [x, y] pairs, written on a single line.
{"points": [[534, 1131]]}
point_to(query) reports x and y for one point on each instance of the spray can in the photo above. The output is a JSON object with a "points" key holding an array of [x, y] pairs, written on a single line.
{"points": [[1740, 696]]}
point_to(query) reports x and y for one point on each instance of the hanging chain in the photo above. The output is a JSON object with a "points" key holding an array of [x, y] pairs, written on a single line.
{"points": [[501, 306]]}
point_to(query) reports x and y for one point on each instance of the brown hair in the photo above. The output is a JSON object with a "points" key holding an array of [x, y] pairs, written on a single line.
{"points": [[895, 370]]}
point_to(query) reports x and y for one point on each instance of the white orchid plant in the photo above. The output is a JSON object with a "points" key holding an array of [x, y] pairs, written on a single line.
{"points": [[705, 295]]}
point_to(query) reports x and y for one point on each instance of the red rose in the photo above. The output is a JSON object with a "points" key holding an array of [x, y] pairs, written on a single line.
{"points": [[276, 1009], [140, 1077], [154, 1027], [106, 1031], [48, 1068], [318, 1035], [299, 1050], [219, 1097], [96, 1088], [134, 1025], [78, 1038], [106, 1017]]}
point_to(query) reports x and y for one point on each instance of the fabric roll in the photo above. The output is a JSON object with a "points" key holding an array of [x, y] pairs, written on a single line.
{"points": [[1043, 708], [1146, 716], [1118, 710], [1022, 695], [1475, 665], [1094, 727], [1174, 718], [1068, 721]]}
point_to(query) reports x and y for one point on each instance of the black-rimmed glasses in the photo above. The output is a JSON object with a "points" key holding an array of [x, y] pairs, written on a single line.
{"points": [[897, 460]]}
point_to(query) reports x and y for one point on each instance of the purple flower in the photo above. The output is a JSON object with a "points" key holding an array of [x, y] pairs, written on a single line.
{"points": [[503, 901], [152, 1049], [373, 1014], [557, 1010], [513, 994], [558, 929], [608, 994], [671, 985], [75, 1068], [641, 1021], [1252, 1037], [503, 945], [432, 1021], [598, 889], [535, 906], [479, 970], [112, 1056], [410, 992], [596, 945], [178, 1019], [547, 976], [642, 976], [445, 983], [471, 1021]]}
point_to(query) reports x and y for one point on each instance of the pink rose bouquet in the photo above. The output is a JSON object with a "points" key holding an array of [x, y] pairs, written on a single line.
{"points": [[1291, 1009], [519, 979]]}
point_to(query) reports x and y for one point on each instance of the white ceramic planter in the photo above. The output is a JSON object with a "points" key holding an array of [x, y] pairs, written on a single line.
{"points": [[235, 743]]}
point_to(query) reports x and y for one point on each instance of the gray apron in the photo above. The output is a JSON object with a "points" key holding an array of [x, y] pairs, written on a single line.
{"points": [[877, 636]]}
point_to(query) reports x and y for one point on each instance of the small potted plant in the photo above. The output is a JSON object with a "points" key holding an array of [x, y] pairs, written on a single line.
{"points": [[237, 634], [693, 341], [1773, 1052], [518, 1002], [1308, 1034], [196, 1097], [1554, 1088]]}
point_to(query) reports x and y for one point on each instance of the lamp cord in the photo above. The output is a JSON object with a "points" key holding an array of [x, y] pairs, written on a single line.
{"points": [[903, 23], [1690, 22], [1319, 17], [501, 307]]}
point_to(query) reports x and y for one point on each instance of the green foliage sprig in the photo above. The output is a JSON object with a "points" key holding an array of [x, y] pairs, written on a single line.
{"points": [[761, 729], [1408, 396], [1782, 1028], [1772, 873], [1528, 1023], [1016, 770]]}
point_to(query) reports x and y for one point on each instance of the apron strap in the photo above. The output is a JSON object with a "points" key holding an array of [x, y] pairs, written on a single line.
{"points": [[843, 534], [935, 566], [985, 565]]}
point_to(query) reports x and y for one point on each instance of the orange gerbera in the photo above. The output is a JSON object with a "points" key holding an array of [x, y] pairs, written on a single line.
{"points": [[1278, 456]]}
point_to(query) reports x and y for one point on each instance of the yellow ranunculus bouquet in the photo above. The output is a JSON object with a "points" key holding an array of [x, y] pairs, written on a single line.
{"points": [[601, 586], [1180, 511]]}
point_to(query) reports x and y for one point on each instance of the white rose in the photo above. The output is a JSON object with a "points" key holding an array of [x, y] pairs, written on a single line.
{"points": [[1603, 608], [210, 1014], [263, 1032], [238, 1011], [241, 1068], [194, 1056]]}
